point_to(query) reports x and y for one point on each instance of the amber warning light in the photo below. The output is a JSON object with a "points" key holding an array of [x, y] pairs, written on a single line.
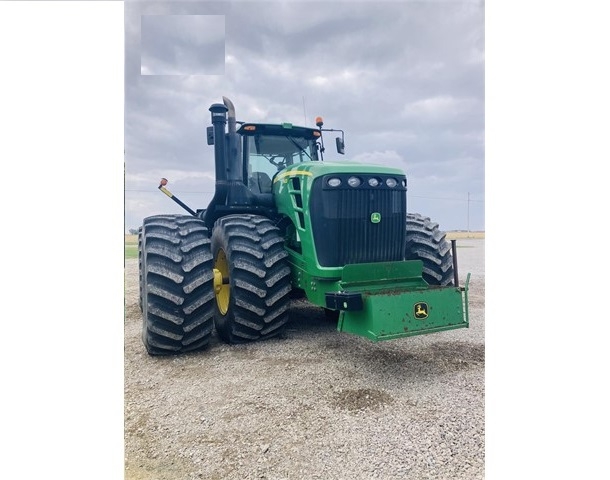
{"points": [[319, 121]]}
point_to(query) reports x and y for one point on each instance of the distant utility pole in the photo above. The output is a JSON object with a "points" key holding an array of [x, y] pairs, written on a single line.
{"points": [[468, 214]]}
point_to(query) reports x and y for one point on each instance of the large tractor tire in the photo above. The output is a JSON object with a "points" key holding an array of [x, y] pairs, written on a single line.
{"points": [[176, 284], [251, 278], [425, 242]]}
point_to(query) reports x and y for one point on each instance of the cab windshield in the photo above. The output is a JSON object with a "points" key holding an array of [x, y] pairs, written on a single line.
{"points": [[268, 154]]}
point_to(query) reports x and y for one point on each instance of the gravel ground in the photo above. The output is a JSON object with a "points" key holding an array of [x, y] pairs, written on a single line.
{"points": [[312, 404]]}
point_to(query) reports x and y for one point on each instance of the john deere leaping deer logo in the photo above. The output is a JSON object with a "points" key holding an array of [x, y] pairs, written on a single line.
{"points": [[421, 310], [375, 217]]}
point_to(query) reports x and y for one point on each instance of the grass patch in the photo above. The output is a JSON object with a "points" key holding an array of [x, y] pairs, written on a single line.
{"points": [[131, 251], [131, 246]]}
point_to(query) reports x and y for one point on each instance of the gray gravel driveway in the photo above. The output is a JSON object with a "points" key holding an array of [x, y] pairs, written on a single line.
{"points": [[312, 404]]}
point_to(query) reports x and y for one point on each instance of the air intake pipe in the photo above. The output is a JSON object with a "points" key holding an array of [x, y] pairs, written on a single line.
{"points": [[231, 195]]}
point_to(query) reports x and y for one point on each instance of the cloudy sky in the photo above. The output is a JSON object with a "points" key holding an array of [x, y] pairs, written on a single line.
{"points": [[403, 79]]}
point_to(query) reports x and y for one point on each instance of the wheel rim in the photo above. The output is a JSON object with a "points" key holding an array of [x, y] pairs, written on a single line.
{"points": [[222, 289]]}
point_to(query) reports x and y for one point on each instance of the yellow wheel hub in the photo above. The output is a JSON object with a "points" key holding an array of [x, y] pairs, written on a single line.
{"points": [[222, 289]]}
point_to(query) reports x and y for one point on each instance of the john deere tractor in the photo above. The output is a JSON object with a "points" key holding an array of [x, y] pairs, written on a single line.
{"points": [[284, 222]]}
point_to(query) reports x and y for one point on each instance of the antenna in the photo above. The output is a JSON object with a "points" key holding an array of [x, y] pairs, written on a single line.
{"points": [[304, 111]]}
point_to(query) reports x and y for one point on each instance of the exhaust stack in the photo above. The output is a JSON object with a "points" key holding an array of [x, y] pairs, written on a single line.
{"points": [[233, 154]]}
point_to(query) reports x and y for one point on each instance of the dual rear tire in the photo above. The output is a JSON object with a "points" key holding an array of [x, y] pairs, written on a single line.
{"points": [[238, 281]]}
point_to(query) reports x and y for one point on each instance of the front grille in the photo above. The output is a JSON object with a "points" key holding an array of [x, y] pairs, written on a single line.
{"points": [[343, 228]]}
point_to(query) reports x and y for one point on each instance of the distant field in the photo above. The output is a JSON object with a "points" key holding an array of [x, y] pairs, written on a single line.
{"points": [[131, 241], [458, 235]]}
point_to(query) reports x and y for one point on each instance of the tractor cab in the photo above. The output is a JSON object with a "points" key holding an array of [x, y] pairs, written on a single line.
{"points": [[267, 149]]}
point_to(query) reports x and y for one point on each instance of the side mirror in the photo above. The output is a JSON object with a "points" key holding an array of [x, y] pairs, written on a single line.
{"points": [[340, 146], [210, 132]]}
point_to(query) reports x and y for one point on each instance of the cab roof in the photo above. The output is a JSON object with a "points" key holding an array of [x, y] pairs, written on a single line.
{"points": [[284, 129]]}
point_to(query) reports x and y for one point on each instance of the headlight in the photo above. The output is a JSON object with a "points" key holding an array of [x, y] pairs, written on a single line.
{"points": [[334, 182], [373, 182], [391, 182], [354, 182]]}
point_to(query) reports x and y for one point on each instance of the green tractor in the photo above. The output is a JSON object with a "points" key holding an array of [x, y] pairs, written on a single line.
{"points": [[284, 223]]}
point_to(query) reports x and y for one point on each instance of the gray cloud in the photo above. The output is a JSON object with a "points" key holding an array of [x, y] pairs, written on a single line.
{"points": [[182, 44]]}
